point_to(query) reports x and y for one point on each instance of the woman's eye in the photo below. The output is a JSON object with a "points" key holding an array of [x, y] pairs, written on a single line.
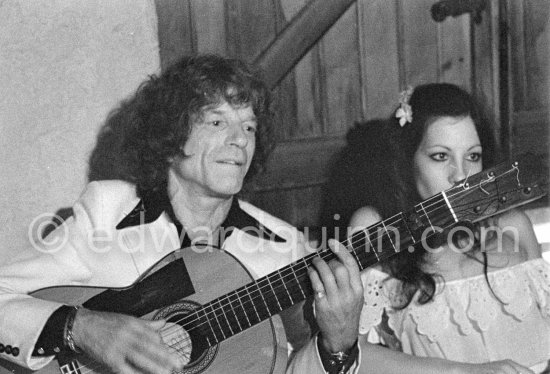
{"points": [[439, 156], [216, 123], [475, 157]]}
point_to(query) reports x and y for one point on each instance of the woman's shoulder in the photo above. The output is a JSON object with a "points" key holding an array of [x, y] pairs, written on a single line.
{"points": [[514, 217], [364, 217], [515, 236]]}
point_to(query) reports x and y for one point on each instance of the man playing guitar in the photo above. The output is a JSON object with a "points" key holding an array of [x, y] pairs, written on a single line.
{"points": [[166, 169]]}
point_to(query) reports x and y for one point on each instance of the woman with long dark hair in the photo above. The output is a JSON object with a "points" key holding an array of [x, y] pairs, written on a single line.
{"points": [[476, 304]]}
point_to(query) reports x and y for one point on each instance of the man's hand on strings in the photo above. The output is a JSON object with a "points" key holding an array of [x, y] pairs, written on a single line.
{"points": [[124, 344], [338, 298]]}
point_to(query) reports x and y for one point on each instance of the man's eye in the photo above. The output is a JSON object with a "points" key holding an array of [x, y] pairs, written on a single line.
{"points": [[251, 129], [217, 124]]}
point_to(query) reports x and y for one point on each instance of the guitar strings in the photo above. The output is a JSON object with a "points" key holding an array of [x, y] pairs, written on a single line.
{"points": [[295, 275], [186, 343], [326, 254], [222, 305]]}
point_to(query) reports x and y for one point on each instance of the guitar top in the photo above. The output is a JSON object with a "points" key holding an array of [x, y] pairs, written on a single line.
{"points": [[229, 324]]}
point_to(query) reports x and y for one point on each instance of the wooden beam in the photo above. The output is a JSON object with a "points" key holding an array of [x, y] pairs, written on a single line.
{"points": [[298, 37]]}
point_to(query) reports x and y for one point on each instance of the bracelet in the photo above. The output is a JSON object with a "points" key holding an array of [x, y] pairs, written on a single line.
{"points": [[337, 362], [68, 332]]}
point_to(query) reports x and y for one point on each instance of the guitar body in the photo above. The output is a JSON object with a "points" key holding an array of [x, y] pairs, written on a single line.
{"points": [[257, 350], [221, 322]]}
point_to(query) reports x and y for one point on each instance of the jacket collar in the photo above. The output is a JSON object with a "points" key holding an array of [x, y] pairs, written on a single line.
{"points": [[154, 203]]}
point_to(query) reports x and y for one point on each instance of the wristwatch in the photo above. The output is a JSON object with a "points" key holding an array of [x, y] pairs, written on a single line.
{"points": [[337, 362]]}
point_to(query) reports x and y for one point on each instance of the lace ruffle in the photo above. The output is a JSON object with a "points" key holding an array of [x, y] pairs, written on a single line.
{"points": [[465, 304], [381, 292]]}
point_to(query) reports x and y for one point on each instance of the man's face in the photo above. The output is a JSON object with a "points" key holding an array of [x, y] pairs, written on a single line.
{"points": [[219, 151]]}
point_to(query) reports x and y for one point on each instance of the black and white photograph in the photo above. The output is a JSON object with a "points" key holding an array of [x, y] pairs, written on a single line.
{"points": [[274, 186]]}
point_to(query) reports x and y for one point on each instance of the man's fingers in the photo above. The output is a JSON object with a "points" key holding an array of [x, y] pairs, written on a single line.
{"points": [[150, 354], [156, 359], [316, 284], [343, 255], [157, 324], [349, 262], [341, 274], [326, 277], [125, 344]]}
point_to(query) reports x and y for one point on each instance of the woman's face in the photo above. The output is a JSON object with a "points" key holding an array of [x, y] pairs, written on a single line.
{"points": [[449, 151]]}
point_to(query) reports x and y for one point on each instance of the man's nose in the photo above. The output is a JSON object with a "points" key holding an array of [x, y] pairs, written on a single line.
{"points": [[237, 136]]}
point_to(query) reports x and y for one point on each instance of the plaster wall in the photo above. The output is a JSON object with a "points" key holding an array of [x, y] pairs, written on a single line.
{"points": [[63, 66]]}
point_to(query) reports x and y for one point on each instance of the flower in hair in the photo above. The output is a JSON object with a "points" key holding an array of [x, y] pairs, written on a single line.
{"points": [[404, 112]]}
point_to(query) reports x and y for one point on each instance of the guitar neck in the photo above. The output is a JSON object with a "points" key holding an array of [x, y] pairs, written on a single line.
{"points": [[251, 304], [482, 195]]}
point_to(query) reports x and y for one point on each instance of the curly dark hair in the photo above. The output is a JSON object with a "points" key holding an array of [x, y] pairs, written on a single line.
{"points": [[150, 128], [429, 102]]}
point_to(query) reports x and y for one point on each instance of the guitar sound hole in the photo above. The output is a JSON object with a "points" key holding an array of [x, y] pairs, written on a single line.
{"points": [[189, 343]]}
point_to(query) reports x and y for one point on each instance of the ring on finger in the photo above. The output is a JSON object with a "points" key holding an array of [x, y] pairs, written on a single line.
{"points": [[320, 294]]}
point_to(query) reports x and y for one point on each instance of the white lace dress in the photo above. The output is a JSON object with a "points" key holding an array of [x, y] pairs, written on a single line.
{"points": [[465, 322]]}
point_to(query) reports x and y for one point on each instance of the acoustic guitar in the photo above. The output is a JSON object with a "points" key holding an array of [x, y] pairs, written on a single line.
{"points": [[229, 323]]}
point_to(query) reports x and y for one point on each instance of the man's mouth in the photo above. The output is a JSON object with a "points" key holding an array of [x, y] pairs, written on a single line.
{"points": [[231, 162]]}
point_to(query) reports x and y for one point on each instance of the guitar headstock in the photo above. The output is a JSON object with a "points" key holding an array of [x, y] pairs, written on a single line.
{"points": [[500, 188]]}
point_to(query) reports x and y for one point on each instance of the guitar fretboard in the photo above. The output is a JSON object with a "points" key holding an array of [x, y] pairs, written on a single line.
{"points": [[271, 294], [479, 196]]}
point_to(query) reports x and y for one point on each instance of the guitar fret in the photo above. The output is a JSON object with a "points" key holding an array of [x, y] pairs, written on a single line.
{"points": [[426, 214], [211, 327], [299, 284], [254, 305], [244, 311], [367, 235], [449, 206], [285, 287], [303, 282], [358, 240], [224, 315], [263, 286], [294, 287], [218, 322], [388, 236], [274, 293], [307, 285], [234, 311], [262, 300], [299, 292], [353, 251], [411, 235]]}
